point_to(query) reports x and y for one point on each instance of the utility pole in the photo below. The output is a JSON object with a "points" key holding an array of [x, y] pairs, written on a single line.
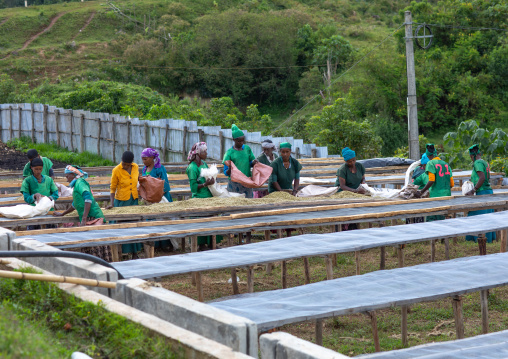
{"points": [[412, 111]]}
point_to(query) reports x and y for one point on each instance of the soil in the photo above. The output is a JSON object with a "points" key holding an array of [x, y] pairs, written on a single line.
{"points": [[14, 160]]}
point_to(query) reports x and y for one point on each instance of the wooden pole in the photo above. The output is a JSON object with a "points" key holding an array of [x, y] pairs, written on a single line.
{"points": [[199, 286], [250, 279], [32, 117], [149, 249], [284, 274], [306, 268], [373, 322], [20, 117], [234, 282], [11, 130], [313, 153], [82, 133], [128, 135], [57, 127], [279, 233], [400, 255], [329, 267], [56, 278], [222, 145], [99, 133], [484, 300], [214, 242], [268, 235], [240, 238], [482, 244], [357, 260], [165, 145], [447, 248], [319, 332], [201, 135], [182, 244], [114, 252], [382, 259], [1, 127], [71, 116], [184, 143], [459, 319], [45, 124], [269, 268], [404, 325], [433, 250], [113, 136], [412, 111], [194, 243], [297, 152], [504, 236]]}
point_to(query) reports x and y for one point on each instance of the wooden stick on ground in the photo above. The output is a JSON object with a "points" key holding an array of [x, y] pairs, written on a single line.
{"points": [[459, 318], [404, 325], [319, 332], [57, 278], [373, 322], [234, 281], [485, 310]]}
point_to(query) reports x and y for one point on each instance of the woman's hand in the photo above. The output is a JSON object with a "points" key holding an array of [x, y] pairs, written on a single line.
{"points": [[255, 162], [470, 193], [295, 191], [109, 206], [57, 214], [37, 197], [228, 163], [361, 190], [82, 223], [210, 181]]}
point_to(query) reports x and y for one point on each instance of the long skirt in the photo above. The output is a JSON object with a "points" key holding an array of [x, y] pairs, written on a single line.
{"points": [[130, 247], [103, 252], [491, 236], [238, 188]]}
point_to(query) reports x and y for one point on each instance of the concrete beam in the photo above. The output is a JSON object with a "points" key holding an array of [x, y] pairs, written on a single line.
{"points": [[285, 346], [238, 333], [6, 236]]}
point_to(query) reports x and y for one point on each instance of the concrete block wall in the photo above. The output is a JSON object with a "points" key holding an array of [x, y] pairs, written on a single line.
{"points": [[236, 332], [286, 346]]}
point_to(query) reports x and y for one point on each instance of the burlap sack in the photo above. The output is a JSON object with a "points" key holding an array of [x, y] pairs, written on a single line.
{"points": [[151, 189], [260, 175]]}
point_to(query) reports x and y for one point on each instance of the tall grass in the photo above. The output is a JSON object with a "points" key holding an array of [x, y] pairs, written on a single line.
{"points": [[54, 152]]}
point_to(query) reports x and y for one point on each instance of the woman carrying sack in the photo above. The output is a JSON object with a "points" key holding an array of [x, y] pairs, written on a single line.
{"points": [[153, 168], [266, 158], [89, 212]]}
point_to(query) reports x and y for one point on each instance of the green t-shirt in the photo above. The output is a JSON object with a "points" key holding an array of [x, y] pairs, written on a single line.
{"points": [[241, 159], [282, 175], [82, 194], [443, 173], [481, 166], [46, 187], [46, 166], [420, 178], [353, 180], [193, 172], [262, 158]]}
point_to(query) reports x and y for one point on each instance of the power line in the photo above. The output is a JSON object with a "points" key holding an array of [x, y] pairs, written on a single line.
{"points": [[341, 75], [461, 27]]}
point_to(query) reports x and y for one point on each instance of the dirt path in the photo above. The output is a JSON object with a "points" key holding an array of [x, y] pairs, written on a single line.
{"points": [[86, 24], [33, 38], [4, 21]]}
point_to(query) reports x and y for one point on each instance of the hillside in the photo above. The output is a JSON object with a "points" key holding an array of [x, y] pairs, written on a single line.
{"points": [[271, 54]]}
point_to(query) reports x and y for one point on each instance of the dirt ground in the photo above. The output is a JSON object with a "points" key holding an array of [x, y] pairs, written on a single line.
{"points": [[14, 160]]}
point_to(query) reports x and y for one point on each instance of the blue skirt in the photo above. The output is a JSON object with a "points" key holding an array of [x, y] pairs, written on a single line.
{"points": [[491, 236], [130, 247]]}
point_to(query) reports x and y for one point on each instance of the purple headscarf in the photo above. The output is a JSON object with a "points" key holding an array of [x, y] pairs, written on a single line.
{"points": [[196, 149], [150, 152]]}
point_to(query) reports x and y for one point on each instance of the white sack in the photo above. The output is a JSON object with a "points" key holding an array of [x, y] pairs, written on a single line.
{"points": [[28, 211], [216, 189], [386, 193], [63, 191], [316, 191], [467, 186], [409, 172]]}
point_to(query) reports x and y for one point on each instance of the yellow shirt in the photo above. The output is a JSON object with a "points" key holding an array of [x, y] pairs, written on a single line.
{"points": [[124, 184]]}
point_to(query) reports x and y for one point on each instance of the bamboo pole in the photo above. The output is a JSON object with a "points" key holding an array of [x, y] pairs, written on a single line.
{"points": [[3, 261], [57, 278]]}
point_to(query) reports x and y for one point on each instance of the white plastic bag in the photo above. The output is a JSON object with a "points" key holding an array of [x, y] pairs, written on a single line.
{"points": [[63, 191], [386, 193], [467, 187], [216, 189], [409, 172], [28, 211], [316, 191]]}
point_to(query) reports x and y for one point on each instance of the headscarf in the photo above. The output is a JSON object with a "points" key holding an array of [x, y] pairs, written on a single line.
{"points": [[196, 149], [430, 149], [150, 152], [77, 171], [285, 145], [236, 131], [348, 153], [474, 150], [267, 144], [424, 159]]}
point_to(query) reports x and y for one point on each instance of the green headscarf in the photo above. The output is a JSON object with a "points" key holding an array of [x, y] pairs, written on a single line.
{"points": [[474, 150], [285, 145], [236, 131], [430, 151]]}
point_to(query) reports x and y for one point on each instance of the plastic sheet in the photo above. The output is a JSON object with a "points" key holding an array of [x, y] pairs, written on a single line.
{"points": [[270, 220], [371, 291], [488, 346], [309, 245], [385, 162]]}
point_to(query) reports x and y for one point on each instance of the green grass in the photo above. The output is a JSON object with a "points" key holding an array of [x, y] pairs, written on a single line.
{"points": [[37, 319], [54, 152]]}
